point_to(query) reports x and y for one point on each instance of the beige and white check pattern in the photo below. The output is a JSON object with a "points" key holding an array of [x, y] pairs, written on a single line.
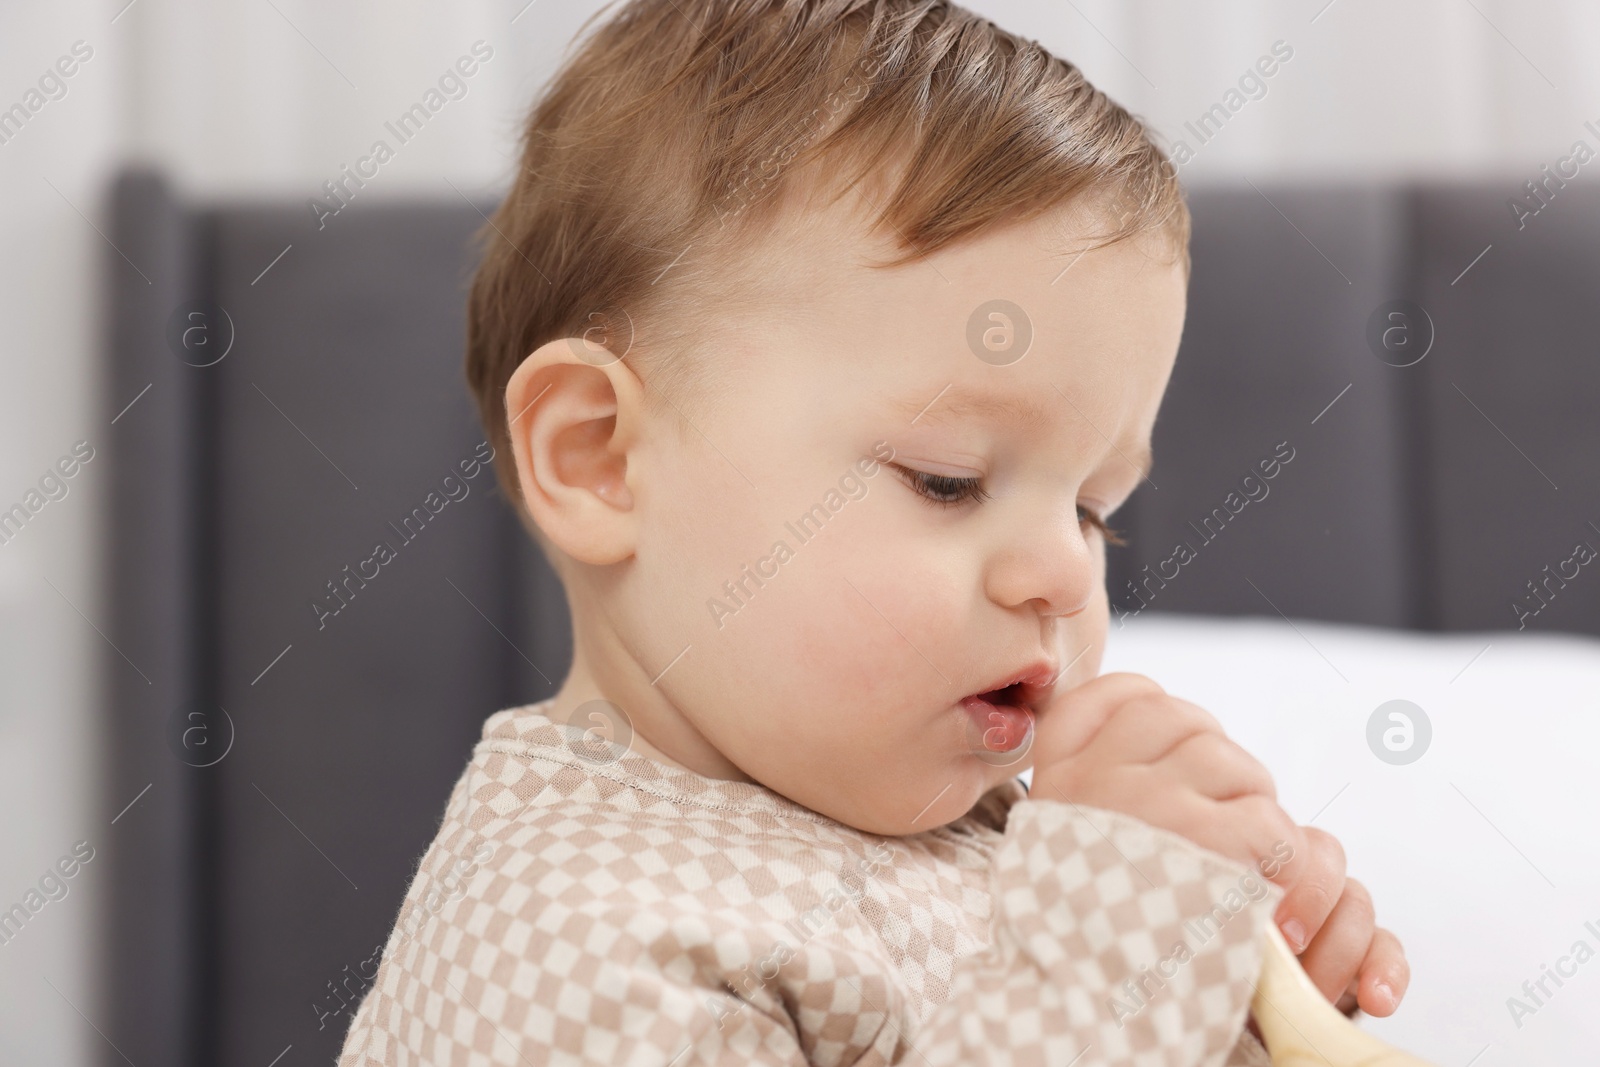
{"points": [[632, 914]]}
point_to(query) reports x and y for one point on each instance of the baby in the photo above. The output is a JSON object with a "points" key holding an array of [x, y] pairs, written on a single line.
{"points": [[819, 340]]}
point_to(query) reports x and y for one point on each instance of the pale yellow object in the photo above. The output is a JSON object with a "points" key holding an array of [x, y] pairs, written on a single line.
{"points": [[1301, 1028]]}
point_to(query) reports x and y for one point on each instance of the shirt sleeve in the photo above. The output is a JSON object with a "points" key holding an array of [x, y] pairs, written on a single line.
{"points": [[1114, 942]]}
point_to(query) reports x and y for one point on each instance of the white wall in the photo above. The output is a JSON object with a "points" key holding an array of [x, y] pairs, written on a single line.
{"points": [[50, 398], [270, 97]]}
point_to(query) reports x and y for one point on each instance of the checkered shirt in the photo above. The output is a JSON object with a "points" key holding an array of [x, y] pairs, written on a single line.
{"points": [[617, 911]]}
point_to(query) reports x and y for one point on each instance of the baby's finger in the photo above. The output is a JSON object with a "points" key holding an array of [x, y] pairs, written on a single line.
{"points": [[1318, 883], [1218, 768], [1385, 974], [1147, 728], [1251, 829], [1073, 718], [1337, 951]]}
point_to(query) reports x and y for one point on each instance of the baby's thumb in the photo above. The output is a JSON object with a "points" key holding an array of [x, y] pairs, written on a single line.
{"points": [[1070, 719]]}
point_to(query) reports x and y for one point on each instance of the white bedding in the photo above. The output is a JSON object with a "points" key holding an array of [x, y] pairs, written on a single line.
{"points": [[1481, 855]]}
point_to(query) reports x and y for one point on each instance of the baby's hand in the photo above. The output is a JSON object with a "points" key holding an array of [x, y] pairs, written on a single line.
{"points": [[1355, 962], [1122, 743]]}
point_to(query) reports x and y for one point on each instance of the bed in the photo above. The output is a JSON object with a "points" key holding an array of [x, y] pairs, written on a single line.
{"points": [[1421, 501]]}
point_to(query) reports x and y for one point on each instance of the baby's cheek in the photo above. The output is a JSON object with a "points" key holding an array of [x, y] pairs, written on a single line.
{"points": [[864, 694], [1090, 628], [841, 619], [710, 556], [849, 659], [893, 629]]}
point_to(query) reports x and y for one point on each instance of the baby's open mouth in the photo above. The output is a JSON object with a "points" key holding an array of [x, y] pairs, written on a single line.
{"points": [[1004, 722]]}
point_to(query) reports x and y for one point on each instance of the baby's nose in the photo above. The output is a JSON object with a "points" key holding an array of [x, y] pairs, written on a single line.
{"points": [[1050, 564]]}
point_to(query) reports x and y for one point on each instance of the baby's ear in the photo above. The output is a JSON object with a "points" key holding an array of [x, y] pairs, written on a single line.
{"points": [[574, 419]]}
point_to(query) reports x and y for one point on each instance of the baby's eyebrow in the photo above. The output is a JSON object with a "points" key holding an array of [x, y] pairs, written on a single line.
{"points": [[949, 406], [1030, 414]]}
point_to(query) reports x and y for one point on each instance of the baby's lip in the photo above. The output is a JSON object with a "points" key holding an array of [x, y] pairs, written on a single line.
{"points": [[1034, 684]]}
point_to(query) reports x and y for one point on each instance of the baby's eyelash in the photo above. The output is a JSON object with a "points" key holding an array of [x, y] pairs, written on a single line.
{"points": [[947, 492], [941, 489], [1113, 537]]}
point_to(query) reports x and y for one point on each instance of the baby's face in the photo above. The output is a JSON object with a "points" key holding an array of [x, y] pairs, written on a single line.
{"points": [[883, 507]]}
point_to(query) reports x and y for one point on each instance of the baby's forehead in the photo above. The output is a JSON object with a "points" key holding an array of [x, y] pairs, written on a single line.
{"points": [[1024, 325], [1012, 303]]}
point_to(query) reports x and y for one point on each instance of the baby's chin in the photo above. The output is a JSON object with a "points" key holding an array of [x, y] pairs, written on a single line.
{"points": [[930, 800]]}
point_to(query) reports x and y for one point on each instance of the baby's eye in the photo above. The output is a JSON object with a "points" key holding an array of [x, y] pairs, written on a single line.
{"points": [[947, 491], [1093, 518], [942, 489]]}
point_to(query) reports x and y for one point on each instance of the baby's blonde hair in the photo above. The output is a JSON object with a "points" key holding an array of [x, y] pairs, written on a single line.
{"points": [[667, 147]]}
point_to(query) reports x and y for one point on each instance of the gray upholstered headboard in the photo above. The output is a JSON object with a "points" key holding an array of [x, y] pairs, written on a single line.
{"points": [[298, 757], [1427, 496]]}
